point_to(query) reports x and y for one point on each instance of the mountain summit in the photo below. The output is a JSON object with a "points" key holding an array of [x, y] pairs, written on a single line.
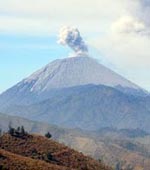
{"points": [[74, 71], [63, 73], [78, 92], [79, 70]]}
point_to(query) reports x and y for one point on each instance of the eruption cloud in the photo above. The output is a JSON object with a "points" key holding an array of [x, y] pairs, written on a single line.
{"points": [[71, 36]]}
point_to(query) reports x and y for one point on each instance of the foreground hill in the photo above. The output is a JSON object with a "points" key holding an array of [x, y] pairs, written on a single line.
{"points": [[10, 161], [30, 126], [110, 145], [44, 150]]}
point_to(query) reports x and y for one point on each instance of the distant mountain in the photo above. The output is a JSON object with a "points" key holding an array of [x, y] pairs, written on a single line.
{"points": [[31, 126], [114, 147], [74, 72], [89, 107], [65, 73], [79, 92]]}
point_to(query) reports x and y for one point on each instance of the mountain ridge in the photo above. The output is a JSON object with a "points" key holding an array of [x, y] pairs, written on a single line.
{"points": [[110, 145], [89, 107], [65, 73], [45, 151], [98, 73], [78, 92]]}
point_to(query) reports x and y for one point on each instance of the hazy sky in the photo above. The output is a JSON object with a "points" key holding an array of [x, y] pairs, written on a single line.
{"points": [[117, 31]]}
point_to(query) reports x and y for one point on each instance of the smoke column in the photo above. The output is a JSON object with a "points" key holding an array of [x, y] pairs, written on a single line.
{"points": [[71, 36]]}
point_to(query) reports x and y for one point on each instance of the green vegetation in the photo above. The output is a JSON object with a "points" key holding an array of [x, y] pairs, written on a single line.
{"points": [[18, 132], [3, 167], [48, 135]]}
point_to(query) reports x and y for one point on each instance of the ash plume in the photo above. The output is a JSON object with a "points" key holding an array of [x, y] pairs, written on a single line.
{"points": [[71, 36]]}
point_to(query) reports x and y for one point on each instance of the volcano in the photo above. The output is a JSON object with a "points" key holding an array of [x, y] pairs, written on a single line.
{"points": [[78, 92], [64, 73]]}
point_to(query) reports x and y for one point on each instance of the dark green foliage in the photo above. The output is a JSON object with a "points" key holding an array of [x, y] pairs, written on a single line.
{"points": [[118, 166], [11, 130], [48, 135], [2, 167], [18, 132], [1, 132], [18, 129], [49, 156], [34, 153], [22, 131], [2, 157]]}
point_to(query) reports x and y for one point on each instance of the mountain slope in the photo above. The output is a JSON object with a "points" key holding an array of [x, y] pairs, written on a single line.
{"points": [[64, 73], [89, 107], [30, 126], [41, 148], [11, 161], [110, 145], [74, 72], [125, 147]]}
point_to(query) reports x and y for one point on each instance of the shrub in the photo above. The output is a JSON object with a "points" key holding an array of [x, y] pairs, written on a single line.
{"points": [[48, 135], [3, 167], [49, 156], [11, 131], [18, 132]]}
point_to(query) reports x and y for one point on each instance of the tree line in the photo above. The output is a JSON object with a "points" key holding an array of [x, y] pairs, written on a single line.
{"points": [[20, 132]]}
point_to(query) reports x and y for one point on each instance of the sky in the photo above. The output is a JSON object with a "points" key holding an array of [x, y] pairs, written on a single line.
{"points": [[116, 31]]}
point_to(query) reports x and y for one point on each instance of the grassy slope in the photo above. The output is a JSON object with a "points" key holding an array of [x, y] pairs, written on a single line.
{"points": [[38, 147], [10, 161], [109, 146], [112, 147]]}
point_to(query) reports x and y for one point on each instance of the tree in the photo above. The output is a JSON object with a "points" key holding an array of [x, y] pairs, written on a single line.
{"points": [[1, 132], [11, 130], [49, 156], [22, 130], [18, 132], [118, 166], [18, 128], [3, 167], [48, 135]]}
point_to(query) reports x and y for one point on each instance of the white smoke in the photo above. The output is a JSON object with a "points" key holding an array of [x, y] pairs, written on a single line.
{"points": [[71, 36]]}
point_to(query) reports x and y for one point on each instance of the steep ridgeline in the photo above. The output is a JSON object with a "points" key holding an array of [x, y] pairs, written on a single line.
{"points": [[65, 73], [110, 145], [89, 107], [30, 126], [78, 92], [31, 152]]}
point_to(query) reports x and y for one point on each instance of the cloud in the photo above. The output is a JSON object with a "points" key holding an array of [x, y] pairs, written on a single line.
{"points": [[129, 54], [71, 36], [142, 10], [25, 25], [99, 13], [120, 29], [126, 44], [129, 24], [93, 16]]}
